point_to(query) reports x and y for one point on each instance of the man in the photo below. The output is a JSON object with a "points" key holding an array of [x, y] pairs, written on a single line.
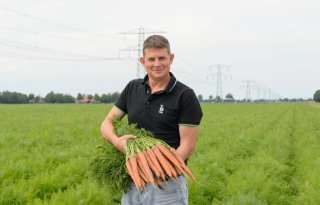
{"points": [[160, 104]]}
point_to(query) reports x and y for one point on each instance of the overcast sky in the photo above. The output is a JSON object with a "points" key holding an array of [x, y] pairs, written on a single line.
{"points": [[69, 46]]}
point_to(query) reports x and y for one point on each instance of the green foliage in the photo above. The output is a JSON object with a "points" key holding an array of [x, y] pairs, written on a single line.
{"points": [[144, 139], [316, 96], [229, 97], [45, 152], [110, 97], [7, 97], [257, 154], [58, 98], [79, 96], [200, 98], [108, 167]]}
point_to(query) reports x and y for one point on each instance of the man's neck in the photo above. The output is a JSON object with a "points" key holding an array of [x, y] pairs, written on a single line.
{"points": [[158, 85]]}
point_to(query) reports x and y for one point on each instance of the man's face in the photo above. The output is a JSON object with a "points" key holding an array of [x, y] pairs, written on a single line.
{"points": [[157, 63]]}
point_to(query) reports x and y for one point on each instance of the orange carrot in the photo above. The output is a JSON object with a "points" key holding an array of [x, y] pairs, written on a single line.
{"points": [[135, 173], [142, 172], [166, 152], [162, 161], [183, 165], [143, 184], [155, 161], [173, 171], [158, 181], [151, 165], [174, 152], [145, 167], [129, 169], [143, 176]]}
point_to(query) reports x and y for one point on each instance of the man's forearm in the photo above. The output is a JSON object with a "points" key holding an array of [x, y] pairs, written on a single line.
{"points": [[188, 135], [107, 131], [185, 151]]}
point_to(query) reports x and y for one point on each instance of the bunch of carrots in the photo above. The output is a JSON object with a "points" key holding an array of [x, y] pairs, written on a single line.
{"points": [[152, 160], [147, 159]]}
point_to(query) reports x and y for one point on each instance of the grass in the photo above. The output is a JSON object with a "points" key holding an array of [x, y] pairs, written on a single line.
{"points": [[245, 154]]}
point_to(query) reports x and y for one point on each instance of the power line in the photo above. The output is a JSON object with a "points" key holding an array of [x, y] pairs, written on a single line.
{"points": [[20, 45], [49, 22], [190, 65], [188, 75], [37, 34], [76, 12], [46, 58], [36, 48]]}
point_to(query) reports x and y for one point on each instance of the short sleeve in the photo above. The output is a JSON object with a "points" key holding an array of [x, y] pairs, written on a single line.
{"points": [[190, 112], [121, 103]]}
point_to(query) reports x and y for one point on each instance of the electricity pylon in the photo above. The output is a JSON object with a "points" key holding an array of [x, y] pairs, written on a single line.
{"points": [[141, 32], [219, 74], [248, 89]]}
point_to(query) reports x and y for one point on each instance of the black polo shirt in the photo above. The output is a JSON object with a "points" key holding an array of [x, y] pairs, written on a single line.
{"points": [[162, 112]]}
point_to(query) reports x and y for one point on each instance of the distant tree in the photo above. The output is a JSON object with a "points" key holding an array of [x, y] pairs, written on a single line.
{"points": [[69, 99], [79, 96], [109, 98], [97, 97], [229, 96], [58, 98], [200, 98], [31, 98], [210, 98], [114, 96], [218, 99], [316, 96], [90, 97], [104, 98], [50, 98], [8, 97], [38, 99]]}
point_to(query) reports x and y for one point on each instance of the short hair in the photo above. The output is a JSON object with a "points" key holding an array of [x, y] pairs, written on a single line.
{"points": [[157, 42]]}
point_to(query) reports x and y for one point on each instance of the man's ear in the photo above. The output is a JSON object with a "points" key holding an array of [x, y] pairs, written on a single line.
{"points": [[171, 57], [142, 60]]}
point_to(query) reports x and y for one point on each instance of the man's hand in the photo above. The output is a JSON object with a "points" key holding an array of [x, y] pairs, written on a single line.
{"points": [[120, 142]]}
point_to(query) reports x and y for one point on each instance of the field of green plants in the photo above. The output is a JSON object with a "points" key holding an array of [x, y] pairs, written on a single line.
{"points": [[255, 154]]}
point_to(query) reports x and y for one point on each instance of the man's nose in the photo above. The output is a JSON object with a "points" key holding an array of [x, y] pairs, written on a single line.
{"points": [[157, 62]]}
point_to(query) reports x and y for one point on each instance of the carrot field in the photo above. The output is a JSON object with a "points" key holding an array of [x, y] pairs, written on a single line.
{"points": [[257, 154]]}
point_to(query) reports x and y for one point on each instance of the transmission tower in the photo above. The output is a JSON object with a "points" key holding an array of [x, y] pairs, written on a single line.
{"points": [[219, 74], [257, 87], [141, 32], [248, 89], [264, 93]]}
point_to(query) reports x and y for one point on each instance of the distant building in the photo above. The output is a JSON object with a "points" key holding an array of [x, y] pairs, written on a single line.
{"points": [[85, 99]]}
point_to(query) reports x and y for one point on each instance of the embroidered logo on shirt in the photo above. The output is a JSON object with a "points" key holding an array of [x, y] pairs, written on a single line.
{"points": [[161, 109]]}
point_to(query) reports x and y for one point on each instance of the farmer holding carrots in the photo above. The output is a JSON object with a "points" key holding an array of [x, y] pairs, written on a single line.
{"points": [[165, 107]]}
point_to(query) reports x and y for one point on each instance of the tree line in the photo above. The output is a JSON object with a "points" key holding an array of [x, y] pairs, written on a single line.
{"points": [[230, 99], [7, 97]]}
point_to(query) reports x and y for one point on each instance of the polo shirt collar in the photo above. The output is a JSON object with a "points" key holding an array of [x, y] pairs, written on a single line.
{"points": [[172, 83]]}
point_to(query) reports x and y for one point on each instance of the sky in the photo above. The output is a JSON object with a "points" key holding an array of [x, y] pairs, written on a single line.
{"points": [[264, 48]]}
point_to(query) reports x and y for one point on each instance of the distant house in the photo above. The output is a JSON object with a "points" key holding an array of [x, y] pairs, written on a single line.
{"points": [[85, 99]]}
